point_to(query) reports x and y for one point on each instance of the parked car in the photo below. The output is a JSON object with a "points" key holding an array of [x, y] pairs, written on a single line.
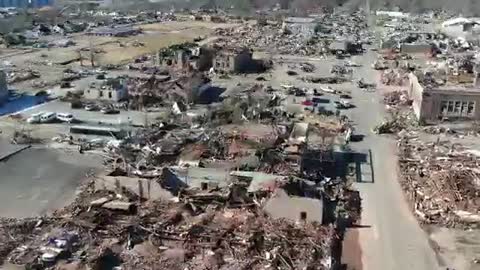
{"points": [[363, 85], [65, 117], [343, 104], [345, 96], [48, 117], [109, 110], [91, 107], [352, 64], [328, 89], [35, 118]]}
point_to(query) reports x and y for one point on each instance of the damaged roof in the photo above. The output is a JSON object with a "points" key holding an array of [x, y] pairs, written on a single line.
{"points": [[260, 181]]}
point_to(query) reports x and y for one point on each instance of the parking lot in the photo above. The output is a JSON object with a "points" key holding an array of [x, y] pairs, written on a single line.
{"points": [[38, 180], [123, 117]]}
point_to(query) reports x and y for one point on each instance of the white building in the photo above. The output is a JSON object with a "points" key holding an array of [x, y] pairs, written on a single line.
{"points": [[467, 28], [114, 90]]}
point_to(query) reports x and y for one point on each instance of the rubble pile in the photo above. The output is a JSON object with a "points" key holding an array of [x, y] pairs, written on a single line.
{"points": [[146, 153], [268, 38], [399, 121], [325, 79], [380, 65], [13, 232], [160, 91], [307, 67], [393, 77], [442, 180], [16, 76], [397, 98], [201, 230], [24, 137], [341, 70], [281, 39]]}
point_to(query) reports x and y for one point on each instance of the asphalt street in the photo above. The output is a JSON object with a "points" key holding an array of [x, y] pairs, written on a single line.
{"points": [[391, 238], [37, 181]]}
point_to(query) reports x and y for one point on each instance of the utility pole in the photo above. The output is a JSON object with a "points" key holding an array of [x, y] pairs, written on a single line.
{"points": [[367, 11], [80, 57], [92, 53]]}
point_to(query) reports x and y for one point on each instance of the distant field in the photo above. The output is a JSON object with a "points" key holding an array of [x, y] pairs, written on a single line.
{"points": [[157, 36], [118, 55], [155, 41]]}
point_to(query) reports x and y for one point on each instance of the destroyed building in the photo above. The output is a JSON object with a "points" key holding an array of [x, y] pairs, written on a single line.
{"points": [[113, 90], [196, 177], [461, 27], [345, 46], [165, 91], [432, 102], [294, 208], [304, 26], [182, 57], [237, 60], [412, 42], [3, 87]]}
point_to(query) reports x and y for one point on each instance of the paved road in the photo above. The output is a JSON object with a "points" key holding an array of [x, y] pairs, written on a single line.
{"points": [[39, 180], [394, 240]]}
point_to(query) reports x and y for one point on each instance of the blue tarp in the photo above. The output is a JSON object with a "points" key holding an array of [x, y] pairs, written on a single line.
{"points": [[18, 103]]}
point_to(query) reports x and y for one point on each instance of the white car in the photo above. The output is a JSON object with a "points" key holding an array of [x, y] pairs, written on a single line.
{"points": [[328, 89], [65, 117], [345, 103], [35, 118], [352, 64], [91, 107], [48, 117]]}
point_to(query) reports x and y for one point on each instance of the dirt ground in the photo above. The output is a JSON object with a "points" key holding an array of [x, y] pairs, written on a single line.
{"points": [[458, 248]]}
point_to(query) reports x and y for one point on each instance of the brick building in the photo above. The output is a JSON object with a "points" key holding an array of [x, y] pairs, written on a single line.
{"points": [[433, 103]]}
